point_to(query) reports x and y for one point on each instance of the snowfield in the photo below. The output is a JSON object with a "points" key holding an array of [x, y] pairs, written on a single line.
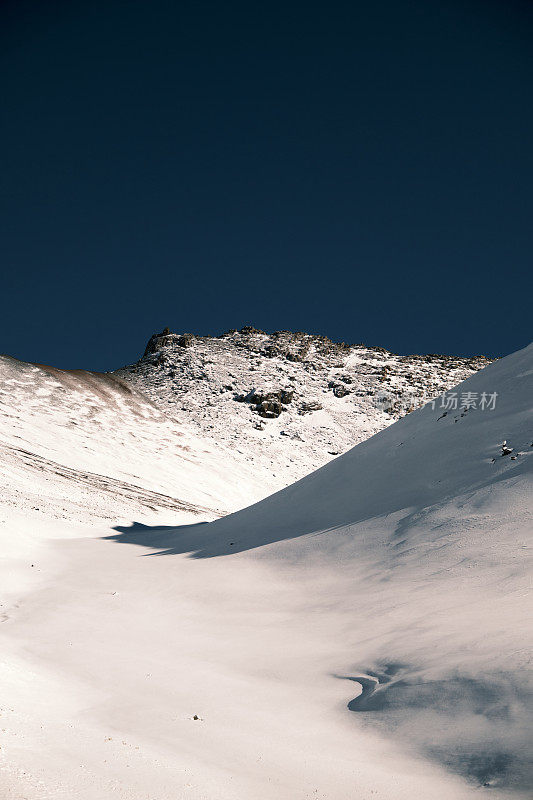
{"points": [[363, 633]]}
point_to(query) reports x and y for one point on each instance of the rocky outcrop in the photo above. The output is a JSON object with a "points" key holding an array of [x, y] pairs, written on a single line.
{"points": [[160, 340], [339, 389], [268, 404], [358, 390], [309, 406], [186, 340]]}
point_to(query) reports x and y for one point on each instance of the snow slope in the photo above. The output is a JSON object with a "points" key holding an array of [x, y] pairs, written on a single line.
{"points": [[76, 444], [414, 548], [363, 633]]}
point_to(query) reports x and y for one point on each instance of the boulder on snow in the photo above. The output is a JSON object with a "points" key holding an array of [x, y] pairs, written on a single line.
{"points": [[340, 390], [309, 406], [268, 404], [269, 409]]}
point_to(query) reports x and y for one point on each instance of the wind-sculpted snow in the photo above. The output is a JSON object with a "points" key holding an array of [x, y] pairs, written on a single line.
{"points": [[97, 424], [414, 546], [479, 727]]}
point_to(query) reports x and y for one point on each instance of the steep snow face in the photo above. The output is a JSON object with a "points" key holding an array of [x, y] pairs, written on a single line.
{"points": [[418, 463], [411, 555], [80, 445], [287, 401]]}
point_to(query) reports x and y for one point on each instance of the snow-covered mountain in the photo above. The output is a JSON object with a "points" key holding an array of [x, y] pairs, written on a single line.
{"points": [[362, 633], [402, 571], [286, 401], [199, 423]]}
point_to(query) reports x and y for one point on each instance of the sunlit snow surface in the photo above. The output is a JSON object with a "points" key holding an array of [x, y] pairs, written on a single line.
{"points": [[365, 632]]}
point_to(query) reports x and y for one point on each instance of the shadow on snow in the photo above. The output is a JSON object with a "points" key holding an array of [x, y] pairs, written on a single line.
{"points": [[477, 727]]}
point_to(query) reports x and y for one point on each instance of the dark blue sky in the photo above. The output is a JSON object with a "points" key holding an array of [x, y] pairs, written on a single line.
{"points": [[361, 170]]}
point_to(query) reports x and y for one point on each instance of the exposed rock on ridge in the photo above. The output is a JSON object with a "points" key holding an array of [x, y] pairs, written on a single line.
{"points": [[290, 399]]}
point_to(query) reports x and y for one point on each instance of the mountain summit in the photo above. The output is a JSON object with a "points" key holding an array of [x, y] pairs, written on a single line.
{"points": [[292, 401]]}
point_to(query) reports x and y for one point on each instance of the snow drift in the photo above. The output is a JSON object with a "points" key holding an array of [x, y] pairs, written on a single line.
{"points": [[419, 537]]}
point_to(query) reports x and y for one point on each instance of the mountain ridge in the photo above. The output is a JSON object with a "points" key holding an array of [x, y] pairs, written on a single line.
{"points": [[293, 400]]}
